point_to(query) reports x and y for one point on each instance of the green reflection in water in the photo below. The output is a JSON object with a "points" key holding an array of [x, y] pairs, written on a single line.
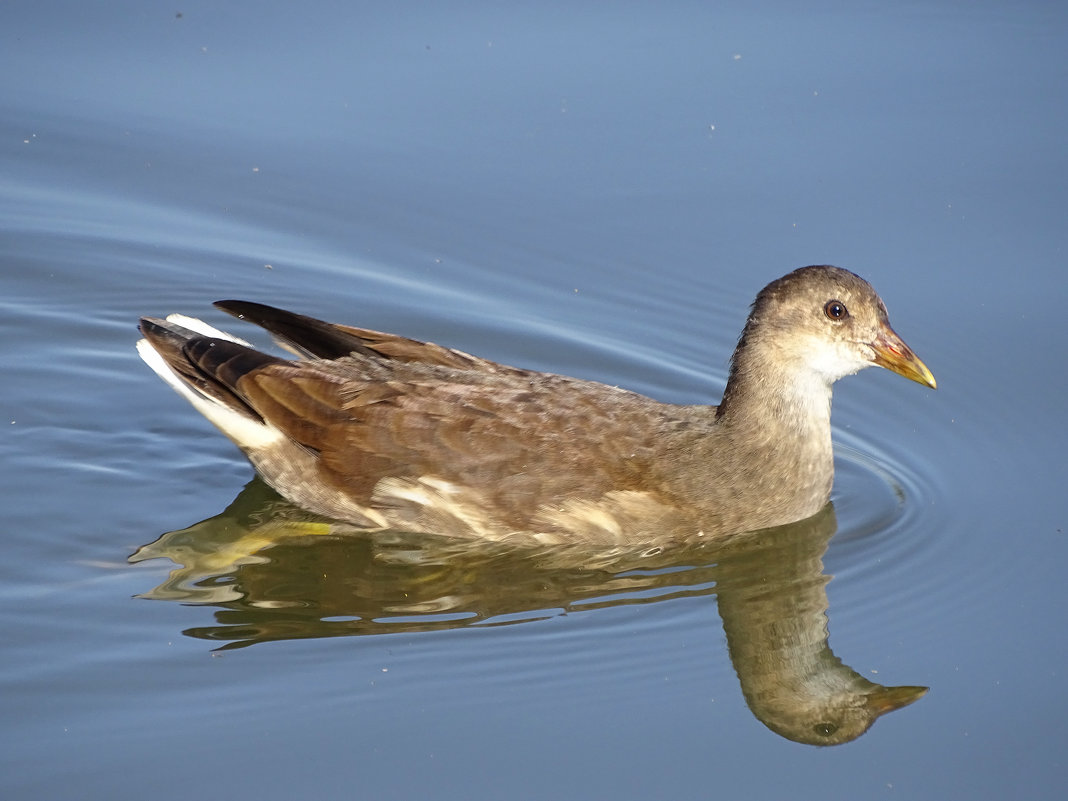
{"points": [[279, 573]]}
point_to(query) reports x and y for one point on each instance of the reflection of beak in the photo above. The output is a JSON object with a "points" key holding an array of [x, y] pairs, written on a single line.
{"points": [[887, 699], [892, 353]]}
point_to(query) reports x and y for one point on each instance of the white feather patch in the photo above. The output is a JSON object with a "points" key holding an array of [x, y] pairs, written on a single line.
{"points": [[202, 328], [240, 428]]}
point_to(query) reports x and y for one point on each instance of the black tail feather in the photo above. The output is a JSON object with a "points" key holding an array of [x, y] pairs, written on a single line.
{"points": [[313, 337], [212, 365]]}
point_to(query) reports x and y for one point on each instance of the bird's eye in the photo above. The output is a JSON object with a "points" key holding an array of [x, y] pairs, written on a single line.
{"points": [[824, 729], [836, 310]]}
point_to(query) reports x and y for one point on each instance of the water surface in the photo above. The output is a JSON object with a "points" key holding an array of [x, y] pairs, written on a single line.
{"points": [[599, 193]]}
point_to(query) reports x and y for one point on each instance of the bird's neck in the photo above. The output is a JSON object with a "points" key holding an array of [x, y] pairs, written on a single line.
{"points": [[768, 393], [775, 437]]}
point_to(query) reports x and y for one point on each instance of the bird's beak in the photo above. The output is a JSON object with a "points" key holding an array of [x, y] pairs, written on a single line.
{"points": [[892, 353], [887, 699]]}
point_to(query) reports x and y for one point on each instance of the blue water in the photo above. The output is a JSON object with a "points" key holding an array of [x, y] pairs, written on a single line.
{"points": [[592, 191]]}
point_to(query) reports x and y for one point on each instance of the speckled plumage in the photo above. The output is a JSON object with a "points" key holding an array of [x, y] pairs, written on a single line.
{"points": [[387, 432]]}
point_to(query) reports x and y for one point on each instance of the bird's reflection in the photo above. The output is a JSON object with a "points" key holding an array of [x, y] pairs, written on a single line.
{"points": [[279, 573]]}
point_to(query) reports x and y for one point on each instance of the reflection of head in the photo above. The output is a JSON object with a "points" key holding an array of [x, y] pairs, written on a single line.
{"points": [[773, 601], [834, 706]]}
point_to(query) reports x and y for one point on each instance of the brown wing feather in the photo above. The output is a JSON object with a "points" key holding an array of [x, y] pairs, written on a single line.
{"points": [[393, 410], [521, 443]]}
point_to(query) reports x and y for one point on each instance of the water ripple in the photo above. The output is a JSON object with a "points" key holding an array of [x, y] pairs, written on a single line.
{"points": [[891, 527]]}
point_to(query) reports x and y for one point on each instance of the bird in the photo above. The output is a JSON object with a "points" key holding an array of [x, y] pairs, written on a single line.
{"points": [[383, 432]]}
